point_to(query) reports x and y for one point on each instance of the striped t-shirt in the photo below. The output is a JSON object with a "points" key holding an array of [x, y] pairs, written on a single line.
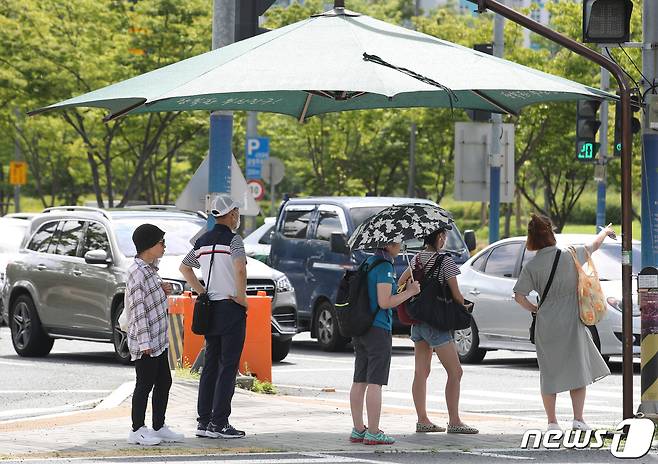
{"points": [[426, 259], [226, 247]]}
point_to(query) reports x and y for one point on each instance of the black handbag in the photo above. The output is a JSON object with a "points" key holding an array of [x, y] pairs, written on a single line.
{"points": [[435, 306], [543, 297], [201, 315]]}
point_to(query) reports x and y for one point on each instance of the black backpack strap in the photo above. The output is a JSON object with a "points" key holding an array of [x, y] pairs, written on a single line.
{"points": [[550, 278]]}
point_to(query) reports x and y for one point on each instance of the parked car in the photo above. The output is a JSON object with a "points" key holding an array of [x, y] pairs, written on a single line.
{"points": [[68, 279], [309, 245], [12, 230], [257, 244], [500, 323]]}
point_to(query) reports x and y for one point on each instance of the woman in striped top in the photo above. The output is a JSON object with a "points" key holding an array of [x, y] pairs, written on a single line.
{"points": [[428, 340]]}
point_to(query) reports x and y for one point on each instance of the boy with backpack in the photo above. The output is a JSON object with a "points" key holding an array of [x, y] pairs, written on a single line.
{"points": [[373, 349]]}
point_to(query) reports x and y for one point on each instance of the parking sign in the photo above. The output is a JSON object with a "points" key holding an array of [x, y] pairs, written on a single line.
{"points": [[258, 150]]}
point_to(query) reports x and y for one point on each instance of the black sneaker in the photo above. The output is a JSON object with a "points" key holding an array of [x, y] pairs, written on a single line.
{"points": [[201, 430], [227, 431]]}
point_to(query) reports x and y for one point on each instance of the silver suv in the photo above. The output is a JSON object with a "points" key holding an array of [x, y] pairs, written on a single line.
{"points": [[68, 278]]}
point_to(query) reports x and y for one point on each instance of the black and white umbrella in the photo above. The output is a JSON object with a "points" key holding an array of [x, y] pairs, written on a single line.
{"points": [[399, 223]]}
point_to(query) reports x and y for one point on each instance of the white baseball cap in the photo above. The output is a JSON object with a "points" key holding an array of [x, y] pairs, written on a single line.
{"points": [[222, 205]]}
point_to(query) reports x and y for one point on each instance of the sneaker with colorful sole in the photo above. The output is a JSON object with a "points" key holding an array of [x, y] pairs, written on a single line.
{"points": [[377, 439], [356, 436]]}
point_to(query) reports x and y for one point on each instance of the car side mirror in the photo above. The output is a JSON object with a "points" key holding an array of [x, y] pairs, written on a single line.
{"points": [[469, 238], [97, 257], [339, 243]]}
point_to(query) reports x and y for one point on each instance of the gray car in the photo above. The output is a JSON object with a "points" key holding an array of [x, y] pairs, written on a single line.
{"points": [[68, 278], [499, 323]]}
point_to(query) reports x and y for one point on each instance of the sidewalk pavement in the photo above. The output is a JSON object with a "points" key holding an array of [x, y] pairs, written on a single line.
{"points": [[273, 423]]}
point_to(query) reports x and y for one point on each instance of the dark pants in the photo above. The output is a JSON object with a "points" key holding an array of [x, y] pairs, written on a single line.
{"points": [[152, 374], [224, 344]]}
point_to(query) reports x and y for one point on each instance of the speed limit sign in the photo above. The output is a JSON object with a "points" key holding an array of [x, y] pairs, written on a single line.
{"points": [[257, 188]]}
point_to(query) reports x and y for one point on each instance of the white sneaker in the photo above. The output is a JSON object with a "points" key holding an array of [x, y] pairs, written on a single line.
{"points": [[553, 426], [167, 435], [580, 425], [143, 436]]}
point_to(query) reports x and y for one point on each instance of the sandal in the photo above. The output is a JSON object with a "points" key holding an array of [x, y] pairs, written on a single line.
{"points": [[428, 428], [462, 429]]}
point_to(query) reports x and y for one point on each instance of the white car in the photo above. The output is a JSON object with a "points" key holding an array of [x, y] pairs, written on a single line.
{"points": [[499, 323], [257, 243], [12, 230]]}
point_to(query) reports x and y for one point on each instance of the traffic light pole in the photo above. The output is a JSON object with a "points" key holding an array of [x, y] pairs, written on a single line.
{"points": [[220, 152], [649, 137], [626, 166], [601, 186]]}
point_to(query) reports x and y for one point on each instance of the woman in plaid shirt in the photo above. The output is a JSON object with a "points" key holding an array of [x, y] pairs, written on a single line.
{"points": [[146, 303]]}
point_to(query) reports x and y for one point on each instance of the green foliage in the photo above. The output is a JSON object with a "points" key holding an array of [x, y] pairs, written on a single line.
{"points": [[264, 387], [56, 49]]}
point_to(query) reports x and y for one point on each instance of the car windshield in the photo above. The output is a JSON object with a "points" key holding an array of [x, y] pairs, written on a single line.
{"points": [[12, 236], [359, 215], [608, 261], [455, 242], [178, 233]]}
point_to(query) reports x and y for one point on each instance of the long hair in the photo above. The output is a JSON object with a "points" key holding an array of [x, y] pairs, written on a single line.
{"points": [[540, 233]]}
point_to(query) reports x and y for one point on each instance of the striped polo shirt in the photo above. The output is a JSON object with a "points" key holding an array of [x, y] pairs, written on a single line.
{"points": [[226, 247]]}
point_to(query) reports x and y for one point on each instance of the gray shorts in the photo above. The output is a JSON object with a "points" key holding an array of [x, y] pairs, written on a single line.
{"points": [[373, 356]]}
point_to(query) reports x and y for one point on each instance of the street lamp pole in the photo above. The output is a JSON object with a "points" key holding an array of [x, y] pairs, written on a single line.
{"points": [[626, 191]]}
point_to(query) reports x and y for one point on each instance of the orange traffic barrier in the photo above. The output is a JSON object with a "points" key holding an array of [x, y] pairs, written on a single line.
{"points": [[192, 343], [257, 352], [256, 356]]}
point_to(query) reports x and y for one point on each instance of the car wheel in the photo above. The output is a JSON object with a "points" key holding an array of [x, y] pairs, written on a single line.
{"points": [[27, 334], [468, 345], [326, 328], [280, 349], [120, 338]]}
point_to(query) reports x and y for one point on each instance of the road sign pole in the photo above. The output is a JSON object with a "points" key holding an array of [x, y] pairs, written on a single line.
{"points": [[221, 123], [649, 138], [496, 131], [272, 192]]}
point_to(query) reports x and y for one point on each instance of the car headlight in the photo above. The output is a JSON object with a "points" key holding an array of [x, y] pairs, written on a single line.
{"points": [[283, 284], [614, 302]]}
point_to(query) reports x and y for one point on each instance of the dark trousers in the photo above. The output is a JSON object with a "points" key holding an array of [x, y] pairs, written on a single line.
{"points": [[152, 374], [222, 359]]}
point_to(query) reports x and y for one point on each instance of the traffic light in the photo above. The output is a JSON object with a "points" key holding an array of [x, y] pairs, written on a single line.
{"points": [[607, 21], [635, 123], [246, 17], [587, 125]]}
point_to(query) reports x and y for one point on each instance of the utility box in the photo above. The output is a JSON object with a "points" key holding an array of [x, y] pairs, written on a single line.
{"points": [[652, 112], [473, 157]]}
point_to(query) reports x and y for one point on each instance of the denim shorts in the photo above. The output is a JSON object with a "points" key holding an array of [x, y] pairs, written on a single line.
{"points": [[434, 337]]}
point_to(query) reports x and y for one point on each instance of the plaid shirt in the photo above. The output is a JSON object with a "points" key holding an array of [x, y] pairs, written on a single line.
{"points": [[146, 303]]}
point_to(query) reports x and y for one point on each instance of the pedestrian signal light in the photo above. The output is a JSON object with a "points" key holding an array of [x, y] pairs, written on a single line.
{"points": [[607, 21], [587, 125], [635, 123]]}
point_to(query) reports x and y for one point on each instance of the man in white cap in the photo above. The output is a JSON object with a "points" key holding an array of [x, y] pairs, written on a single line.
{"points": [[220, 255]]}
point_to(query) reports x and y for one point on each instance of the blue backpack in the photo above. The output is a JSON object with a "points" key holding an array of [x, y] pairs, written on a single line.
{"points": [[353, 303]]}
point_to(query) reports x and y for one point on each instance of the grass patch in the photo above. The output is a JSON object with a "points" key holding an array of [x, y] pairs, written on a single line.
{"points": [[264, 387], [186, 373]]}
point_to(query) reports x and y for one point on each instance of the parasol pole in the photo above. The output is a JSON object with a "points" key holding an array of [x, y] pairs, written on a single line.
{"points": [[406, 256]]}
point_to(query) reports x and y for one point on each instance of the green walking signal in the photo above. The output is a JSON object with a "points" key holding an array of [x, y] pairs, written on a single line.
{"points": [[587, 125]]}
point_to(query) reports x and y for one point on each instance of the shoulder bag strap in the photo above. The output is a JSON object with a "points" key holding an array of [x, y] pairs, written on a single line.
{"points": [[437, 265], [550, 278], [212, 258]]}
